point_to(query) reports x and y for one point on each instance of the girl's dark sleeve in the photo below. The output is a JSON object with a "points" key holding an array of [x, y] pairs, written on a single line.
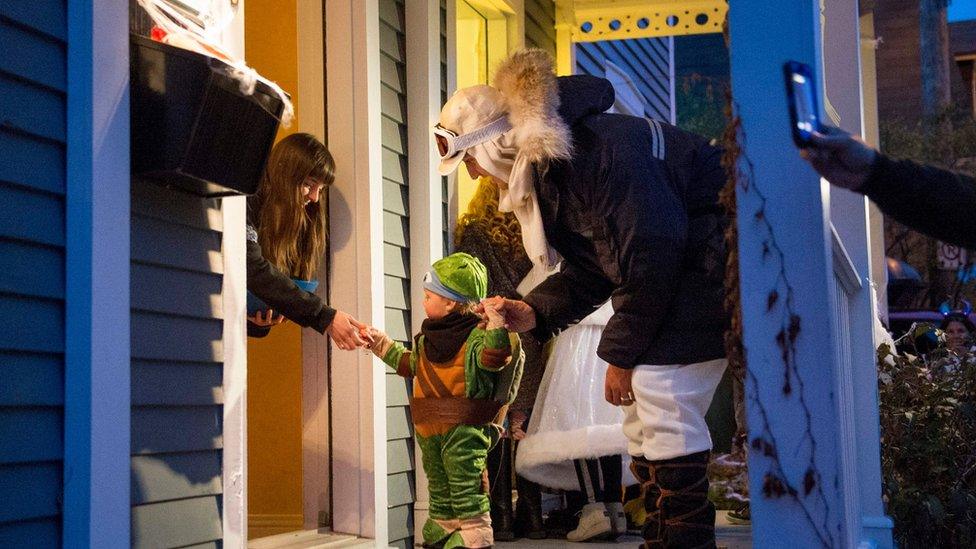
{"points": [[281, 294]]}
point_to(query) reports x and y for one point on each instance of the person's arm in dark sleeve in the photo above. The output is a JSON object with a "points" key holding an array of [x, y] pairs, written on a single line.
{"points": [[937, 202], [566, 298], [281, 294]]}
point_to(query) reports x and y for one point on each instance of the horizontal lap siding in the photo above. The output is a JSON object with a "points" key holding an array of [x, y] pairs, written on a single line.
{"points": [[177, 369], [646, 60], [540, 25], [445, 194], [396, 263], [32, 270]]}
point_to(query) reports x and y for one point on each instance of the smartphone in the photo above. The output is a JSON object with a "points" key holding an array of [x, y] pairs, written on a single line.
{"points": [[801, 93]]}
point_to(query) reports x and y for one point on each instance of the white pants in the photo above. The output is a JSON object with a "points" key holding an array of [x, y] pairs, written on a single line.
{"points": [[667, 418]]}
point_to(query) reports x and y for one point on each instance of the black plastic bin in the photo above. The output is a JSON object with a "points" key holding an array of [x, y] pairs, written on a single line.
{"points": [[192, 128]]}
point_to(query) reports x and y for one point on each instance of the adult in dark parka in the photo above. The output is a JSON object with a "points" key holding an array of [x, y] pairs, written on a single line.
{"points": [[630, 207]]}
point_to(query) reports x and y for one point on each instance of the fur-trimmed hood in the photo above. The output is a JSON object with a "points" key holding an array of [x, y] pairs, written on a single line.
{"points": [[542, 107]]}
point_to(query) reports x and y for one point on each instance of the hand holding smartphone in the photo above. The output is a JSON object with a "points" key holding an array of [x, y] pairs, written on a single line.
{"points": [[801, 93]]}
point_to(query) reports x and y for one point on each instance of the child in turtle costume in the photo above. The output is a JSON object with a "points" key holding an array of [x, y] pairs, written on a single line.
{"points": [[464, 375]]}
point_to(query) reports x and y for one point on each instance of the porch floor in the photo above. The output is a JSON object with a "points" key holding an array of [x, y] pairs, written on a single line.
{"points": [[728, 535], [309, 539]]}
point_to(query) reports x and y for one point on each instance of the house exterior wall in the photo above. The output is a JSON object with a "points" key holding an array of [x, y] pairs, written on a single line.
{"points": [[177, 368], [646, 60], [396, 265], [33, 85], [540, 25]]}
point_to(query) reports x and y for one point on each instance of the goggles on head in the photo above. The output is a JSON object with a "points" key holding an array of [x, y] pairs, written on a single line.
{"points": [[450, 144]]}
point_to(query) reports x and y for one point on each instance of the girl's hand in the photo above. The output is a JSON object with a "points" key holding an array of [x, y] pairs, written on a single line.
{"points": [[267, 320], [347, 332]]}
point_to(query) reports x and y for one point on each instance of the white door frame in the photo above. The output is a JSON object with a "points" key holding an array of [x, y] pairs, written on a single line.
{"points": [[359, 463], [234, 293], [316, 501]]}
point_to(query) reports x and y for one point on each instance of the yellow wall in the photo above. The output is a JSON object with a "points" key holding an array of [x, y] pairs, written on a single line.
{"points": [[274, 364], [482, 43]]}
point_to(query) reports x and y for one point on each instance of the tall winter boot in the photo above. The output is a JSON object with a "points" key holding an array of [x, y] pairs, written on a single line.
{"points": [[500, 486], [643, 471], [687, 516], [528, 510]]}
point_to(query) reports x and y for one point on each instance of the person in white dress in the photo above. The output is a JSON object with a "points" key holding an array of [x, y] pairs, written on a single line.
{"points": [[575, 439]]}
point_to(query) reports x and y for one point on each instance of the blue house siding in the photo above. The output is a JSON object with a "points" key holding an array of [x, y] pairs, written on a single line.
{"points": [[396, 265], [33, 75], [177, 368], [646, 60]]}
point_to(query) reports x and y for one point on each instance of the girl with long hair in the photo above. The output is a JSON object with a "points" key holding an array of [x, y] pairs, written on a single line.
{"points": [[286, 234]]}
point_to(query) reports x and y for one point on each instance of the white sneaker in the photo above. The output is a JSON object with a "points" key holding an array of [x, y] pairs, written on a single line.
{"points": [[618, 520], [594, 522]]}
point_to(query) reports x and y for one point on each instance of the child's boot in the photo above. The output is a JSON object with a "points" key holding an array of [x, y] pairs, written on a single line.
{"points": [[500, 485], [594, 523], [437, 531], [475, 533]]}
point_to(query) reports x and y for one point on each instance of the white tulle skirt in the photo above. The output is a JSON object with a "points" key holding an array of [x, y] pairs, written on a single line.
{"points": [[571, 418]]}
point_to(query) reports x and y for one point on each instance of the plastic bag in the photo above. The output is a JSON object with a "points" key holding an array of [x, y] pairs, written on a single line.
{"points": [[196, 25]]}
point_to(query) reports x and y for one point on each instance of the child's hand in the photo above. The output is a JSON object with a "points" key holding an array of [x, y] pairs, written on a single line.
{"points": [[516, 425], [381, 342], [495, 318]]}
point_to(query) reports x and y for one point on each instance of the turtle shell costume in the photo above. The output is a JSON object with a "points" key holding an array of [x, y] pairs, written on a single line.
{"points": [[464, 378]]}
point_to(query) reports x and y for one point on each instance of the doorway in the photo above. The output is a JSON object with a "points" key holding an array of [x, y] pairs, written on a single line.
{"points": [[288, 469], [483, 29]]}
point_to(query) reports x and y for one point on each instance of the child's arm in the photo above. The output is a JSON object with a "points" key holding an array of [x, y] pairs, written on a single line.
{"points": [[393, 353], [497, 350]]}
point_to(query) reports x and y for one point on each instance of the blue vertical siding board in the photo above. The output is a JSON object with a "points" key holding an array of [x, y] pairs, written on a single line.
{"points": [[32, 162], [176, 370], [646, 60], [23, 208], [162, 337], [37, 534], [50, 18], [32, 56], [32, 270], [31, 379], [30, 491], [21, 320], [32, 109], [33, 75], [31, 434], [172, 383], [396, 233]]}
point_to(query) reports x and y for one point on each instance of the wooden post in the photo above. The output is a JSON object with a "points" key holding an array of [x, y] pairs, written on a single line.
{"points": [[805, 298], [96, 378]]}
